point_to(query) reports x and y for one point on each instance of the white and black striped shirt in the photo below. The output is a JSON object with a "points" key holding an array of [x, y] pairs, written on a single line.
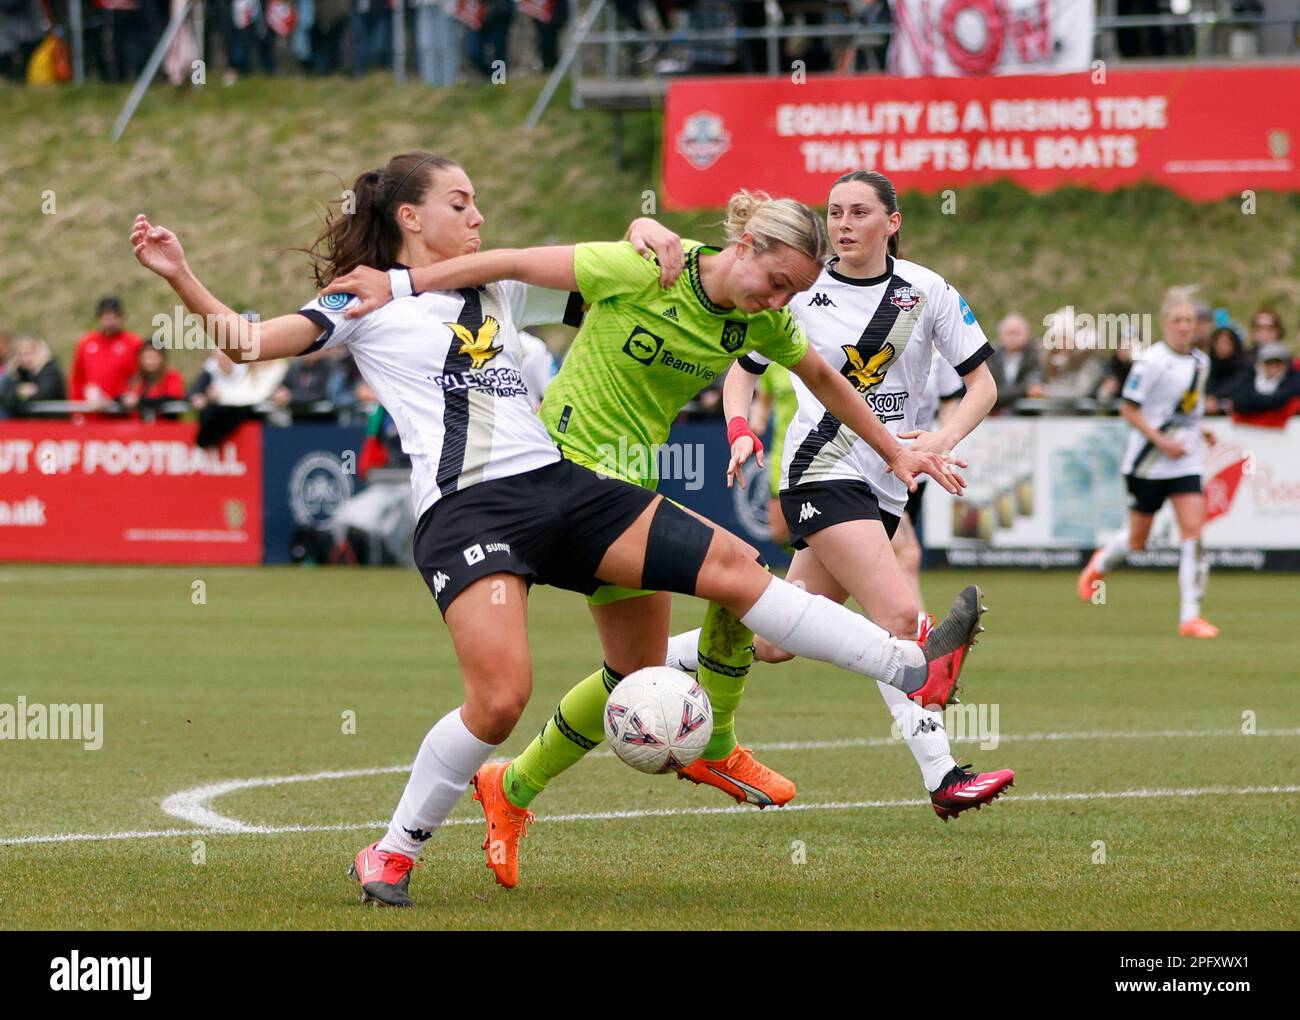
{"points": [[880, 334], [447, 366]]}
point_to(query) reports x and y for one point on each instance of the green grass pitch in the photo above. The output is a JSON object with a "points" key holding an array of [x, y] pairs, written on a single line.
{"points": [[260, 681]]}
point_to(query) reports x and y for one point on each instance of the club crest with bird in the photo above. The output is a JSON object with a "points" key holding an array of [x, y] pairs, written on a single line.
{"points": [[867, 373], [480, 344]]}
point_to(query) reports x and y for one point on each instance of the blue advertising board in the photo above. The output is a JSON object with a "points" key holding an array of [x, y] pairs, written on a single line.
{"points": [[309, 471]]}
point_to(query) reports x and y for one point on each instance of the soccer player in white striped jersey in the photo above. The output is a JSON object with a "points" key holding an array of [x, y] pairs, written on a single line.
{"points": [[1163, 402], [876, 319], [499, 509]]}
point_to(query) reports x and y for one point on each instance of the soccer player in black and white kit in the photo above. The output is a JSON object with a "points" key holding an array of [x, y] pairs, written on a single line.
{"points": [[498, 507], [1163, 402], [876, 319]]}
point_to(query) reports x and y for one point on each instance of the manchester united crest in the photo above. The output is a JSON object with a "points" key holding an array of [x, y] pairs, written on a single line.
{"points": [[733, 335]]}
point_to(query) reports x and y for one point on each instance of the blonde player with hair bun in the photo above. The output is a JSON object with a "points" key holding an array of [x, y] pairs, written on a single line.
{"points": [[877, 320], [645, 347], [1163, 402]]}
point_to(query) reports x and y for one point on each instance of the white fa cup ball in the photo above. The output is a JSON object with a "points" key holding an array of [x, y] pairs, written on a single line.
{"points": [[658, 719]]}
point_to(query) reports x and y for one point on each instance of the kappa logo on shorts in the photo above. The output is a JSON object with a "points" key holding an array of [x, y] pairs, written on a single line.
{"points": [[439, 582], [807, 512], [474, 554]]}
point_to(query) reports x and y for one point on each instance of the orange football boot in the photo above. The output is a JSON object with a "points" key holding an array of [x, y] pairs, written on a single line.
{"points": [[1091, 575], [506, 824], [743, 777], [1198, 627]]}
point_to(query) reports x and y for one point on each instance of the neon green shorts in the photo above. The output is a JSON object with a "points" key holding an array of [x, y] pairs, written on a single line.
{"points": [[607, 594]]}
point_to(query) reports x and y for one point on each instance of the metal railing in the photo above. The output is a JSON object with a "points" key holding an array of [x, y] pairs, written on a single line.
{"points": [[608, 47]]}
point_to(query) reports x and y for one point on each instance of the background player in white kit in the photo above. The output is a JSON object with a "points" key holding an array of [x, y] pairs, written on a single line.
{"points": [[1163, 401], [876, 319]]}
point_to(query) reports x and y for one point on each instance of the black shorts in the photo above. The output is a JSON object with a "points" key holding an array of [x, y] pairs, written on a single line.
{"points": [[913, 508], [551, 526], [1147, 495], [810, 508]]}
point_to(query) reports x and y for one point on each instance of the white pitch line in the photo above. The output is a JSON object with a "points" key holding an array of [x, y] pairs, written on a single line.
{"points": [[194, 805], [601, 816]]}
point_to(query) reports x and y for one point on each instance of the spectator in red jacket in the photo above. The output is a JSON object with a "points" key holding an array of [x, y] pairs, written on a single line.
{"points": [[154, 384], [106, 357]]}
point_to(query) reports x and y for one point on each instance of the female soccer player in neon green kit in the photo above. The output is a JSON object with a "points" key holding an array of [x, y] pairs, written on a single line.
{"points": [[641, 354]]}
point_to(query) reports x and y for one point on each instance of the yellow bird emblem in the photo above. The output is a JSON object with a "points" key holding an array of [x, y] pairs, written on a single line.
{"points": [[481, 345], [866, 375], [1190, 399]]}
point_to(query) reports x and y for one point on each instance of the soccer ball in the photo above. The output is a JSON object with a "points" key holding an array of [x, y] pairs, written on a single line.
{"points": [[658, 719]]}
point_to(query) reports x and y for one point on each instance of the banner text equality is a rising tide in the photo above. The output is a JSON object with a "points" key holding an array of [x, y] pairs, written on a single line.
{"points": [[1205, 133]]}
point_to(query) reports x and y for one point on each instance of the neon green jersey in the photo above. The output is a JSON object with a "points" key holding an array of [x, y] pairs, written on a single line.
{"points": [[642, 352]]}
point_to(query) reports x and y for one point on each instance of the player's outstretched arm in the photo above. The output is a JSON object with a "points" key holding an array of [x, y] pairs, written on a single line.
{"points": [[843, 401], [981, 394], [550, 267], [286, 336]]}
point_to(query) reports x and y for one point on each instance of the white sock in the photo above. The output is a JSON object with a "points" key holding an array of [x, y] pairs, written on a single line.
{"points": [[446, 762], [1114, 552], [1193, 571], [817, 628], [923, 733], [684, 651]]}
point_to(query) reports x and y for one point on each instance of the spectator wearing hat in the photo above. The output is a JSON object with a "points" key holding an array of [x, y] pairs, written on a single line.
{"points": [[1271, 388], [155, 383], [106, 357], [31, 376]]}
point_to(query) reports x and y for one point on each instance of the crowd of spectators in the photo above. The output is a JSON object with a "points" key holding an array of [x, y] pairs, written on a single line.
{"points": [[1252, 372], [115, 374], [448, 37]]}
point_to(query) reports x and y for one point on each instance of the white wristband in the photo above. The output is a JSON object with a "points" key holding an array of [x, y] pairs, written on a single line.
{"points": [[401, 282]]}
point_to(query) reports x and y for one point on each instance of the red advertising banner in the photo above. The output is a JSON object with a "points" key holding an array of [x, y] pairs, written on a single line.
{"points": [[1206, 134], [127, 493]]}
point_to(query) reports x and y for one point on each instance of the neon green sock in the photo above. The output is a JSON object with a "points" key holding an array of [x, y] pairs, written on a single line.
{"points": [[726, 653], [577, 726]]}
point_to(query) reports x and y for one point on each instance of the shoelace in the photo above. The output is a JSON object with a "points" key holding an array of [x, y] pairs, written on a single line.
{"points": [[745, 756], [964, 774]]}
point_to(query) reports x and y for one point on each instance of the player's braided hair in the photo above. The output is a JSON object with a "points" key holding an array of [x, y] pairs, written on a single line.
{"points": [[362, 230], [884, 189], [776, 221]]}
